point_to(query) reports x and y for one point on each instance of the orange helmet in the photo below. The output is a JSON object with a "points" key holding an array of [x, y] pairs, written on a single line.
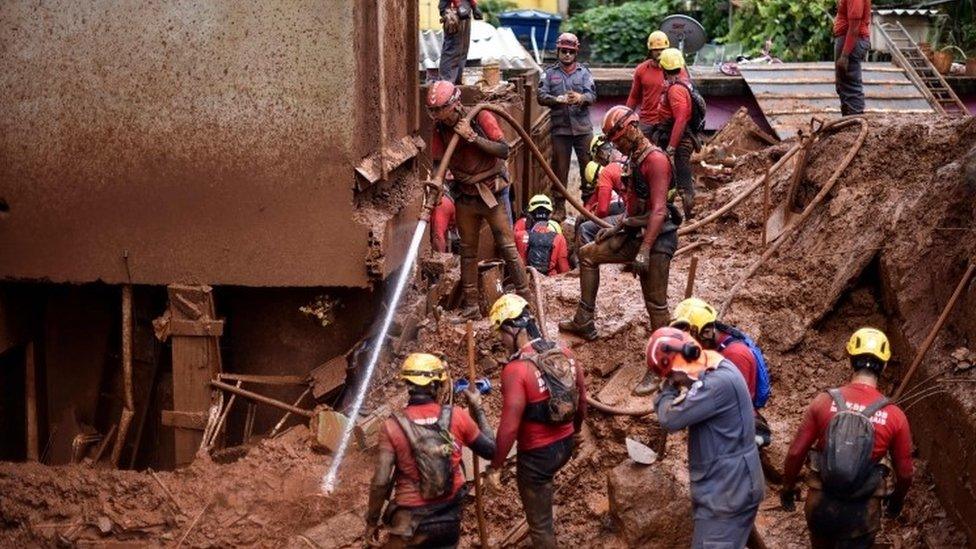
{"points": [[567, 41], [668, 348], [616, 121], [442, 93]]}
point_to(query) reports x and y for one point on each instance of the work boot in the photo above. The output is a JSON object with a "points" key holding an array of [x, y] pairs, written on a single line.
{"points": [[470, 310], [582, 324], [647, 385]]}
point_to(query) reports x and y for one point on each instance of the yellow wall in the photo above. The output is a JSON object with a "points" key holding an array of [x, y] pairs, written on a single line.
{"points": [[430, 19]]}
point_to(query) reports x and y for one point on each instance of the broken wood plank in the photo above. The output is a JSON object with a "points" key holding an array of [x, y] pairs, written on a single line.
{"points": [[264, 379], [261, 398], [184, 420], [196, 327], [33, 448], [329, 376]]}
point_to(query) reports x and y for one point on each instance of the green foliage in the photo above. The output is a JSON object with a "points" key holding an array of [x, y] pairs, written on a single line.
{"points": [[800, 31], [715, 18], [491, 9], [618, 34]]}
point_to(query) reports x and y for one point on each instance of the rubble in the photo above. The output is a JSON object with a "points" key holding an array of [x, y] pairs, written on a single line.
{"points": [[649, 506]]}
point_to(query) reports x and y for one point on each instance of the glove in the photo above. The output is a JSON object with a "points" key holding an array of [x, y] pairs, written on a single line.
{"points": [[464, 130], [493, 480], [451, 21], [574, 98], [669, 150], [787, 498], [605, 234], [641, 260], [372, 536], [473, 396], [842, 64], [893, 506]]}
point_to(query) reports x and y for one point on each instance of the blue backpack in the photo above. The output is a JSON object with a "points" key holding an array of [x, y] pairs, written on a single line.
{"points": [[763, 386]]}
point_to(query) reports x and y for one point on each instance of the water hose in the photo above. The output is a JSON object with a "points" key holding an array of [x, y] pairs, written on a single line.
{"points": [[802, 217], [613, 410]]}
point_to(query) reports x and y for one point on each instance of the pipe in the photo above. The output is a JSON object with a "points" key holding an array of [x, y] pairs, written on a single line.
{"points": [[284, 418], [930, 339], [690, 284], [607, 409], [478, 495], [800, 219], [129, 408], [263, 399]]}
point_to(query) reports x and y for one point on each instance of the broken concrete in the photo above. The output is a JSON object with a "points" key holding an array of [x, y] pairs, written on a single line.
{"points": [[649, 506]]}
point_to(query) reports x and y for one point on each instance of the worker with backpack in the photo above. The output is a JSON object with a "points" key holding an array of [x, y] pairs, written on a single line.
{"points": [[543, 407], [850, 430], [419, 460]]}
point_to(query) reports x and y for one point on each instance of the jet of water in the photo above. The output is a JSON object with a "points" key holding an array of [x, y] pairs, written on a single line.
{"points": [[329, 482]]}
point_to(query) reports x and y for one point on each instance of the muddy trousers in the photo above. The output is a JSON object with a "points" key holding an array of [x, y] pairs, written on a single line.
{"points": [[849, 85], [441, 529], [534, 473], [660, 135], [454, 53], [622, 248], [723, 533], [562, 151], [841, 524], [470, 211]]}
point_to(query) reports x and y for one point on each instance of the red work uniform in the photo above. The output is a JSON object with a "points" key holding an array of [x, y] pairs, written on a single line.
{"points": [[646, 90], [891, 434], [740, 354], [522, 384], [441, 223], [608, 182], [468, 159], [392, 439], [675, 105], [852, 10], [558, 255]]}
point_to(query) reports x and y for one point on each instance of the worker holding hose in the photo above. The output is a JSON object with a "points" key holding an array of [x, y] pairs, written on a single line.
{"points": [[543, 407], [420, 457], [850, 430], [480, 184], [704, 393], [645, 236]]}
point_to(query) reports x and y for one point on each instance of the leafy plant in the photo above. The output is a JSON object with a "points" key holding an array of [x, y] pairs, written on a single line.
{"points": [[618, 34], [491, 9], [800, 31]]}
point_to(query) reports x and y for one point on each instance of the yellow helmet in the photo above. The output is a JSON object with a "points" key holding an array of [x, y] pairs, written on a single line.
{"points": [[671, 59], [657, 40], [695, 313], [422, 368], [592, 172], [597, 142], [869, 341], [540, 201], [507, 307]]}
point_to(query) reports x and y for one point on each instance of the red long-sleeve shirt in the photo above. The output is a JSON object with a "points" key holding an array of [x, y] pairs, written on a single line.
{"points": [[655, 168], [676, 105], [608, 181], [392, 439], [740, 354], [646, 90], [468, 158], [892, 434], [441, 222], [853, 21], [522, 384]]}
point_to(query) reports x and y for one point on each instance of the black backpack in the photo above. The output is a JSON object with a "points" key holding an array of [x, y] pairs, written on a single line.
{"points": [[846, 469], [698, 108], [540, 249], [559, 374], [432, 447]]}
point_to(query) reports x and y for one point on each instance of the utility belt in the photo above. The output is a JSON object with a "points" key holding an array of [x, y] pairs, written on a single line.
{"points": [[485, 184], [403, 521]]}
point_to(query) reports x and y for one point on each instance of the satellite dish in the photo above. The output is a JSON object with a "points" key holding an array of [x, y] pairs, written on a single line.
{"points": [[685, 33]]}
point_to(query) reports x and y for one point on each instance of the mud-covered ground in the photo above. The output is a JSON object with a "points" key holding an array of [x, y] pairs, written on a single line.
{"points": [[801, 307]]}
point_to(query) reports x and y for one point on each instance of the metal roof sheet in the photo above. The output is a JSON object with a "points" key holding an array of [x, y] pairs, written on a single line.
{"points": [[487, 42], [906, 11], [790, 93]]}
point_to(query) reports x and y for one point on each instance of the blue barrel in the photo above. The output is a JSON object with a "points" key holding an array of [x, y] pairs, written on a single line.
{"points": [[523, 22]]}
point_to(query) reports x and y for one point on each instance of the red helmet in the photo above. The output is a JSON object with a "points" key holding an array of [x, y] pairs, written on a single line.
{"points": [[616, 121], [442, 93], [670, 347], [567, 41]]}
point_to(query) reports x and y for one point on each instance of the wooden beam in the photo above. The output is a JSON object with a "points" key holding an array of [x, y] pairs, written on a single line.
{"points": [[265, 379], [33, 449], [195, 421]]}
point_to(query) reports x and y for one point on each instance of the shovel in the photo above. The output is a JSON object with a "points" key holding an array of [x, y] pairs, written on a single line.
{"points": [[640, 453], [781, 216]]}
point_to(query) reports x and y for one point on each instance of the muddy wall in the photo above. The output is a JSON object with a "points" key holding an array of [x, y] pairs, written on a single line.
{"points": [[196, 142]]}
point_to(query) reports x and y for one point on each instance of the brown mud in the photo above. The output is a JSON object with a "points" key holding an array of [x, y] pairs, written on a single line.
{"points": [[855, 262]]}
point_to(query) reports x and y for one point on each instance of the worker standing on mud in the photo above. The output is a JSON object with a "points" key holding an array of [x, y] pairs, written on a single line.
{"points": [[480, 182], [568, 89], [705, 393], [852, 32], [540, 240], [420, 453], [543, 406], [677, 125], [456, 18], [700, 320], [648, 84], [645, 236], [850, 430]]}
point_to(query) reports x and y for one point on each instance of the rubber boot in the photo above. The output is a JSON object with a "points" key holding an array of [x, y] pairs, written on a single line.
{"points": [[582, 324], [648, 384], [470, 310]]}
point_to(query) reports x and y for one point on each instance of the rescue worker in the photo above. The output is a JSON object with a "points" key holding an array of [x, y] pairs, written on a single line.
{"points": [[645, 236], [673, 131], [540, 240], [852, 32], [480, 179], [605, 177], [705, 393], [849, 517], [541, 379], [419, 460], [567, 88], [648, 84], [456, 18], [442, 224]]}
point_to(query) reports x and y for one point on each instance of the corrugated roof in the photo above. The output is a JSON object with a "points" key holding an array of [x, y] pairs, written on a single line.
{"points": [[790, 93], [487, 42], [906, 11]]}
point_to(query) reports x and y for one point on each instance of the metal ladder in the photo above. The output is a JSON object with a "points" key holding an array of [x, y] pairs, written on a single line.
{"points": [[920, 70]]}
